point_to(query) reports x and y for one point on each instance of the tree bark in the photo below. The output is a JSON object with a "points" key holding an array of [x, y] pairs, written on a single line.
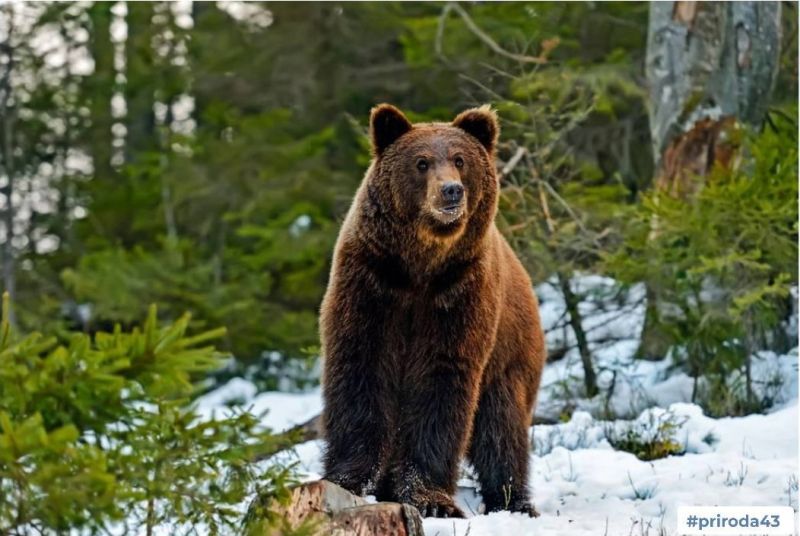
{"points": [[572, 303], [709, 60], [139, 84], [576, 321], [8, 115], [710, 67], [332, 510], [655, 341], [102, 89], [381, 519]]}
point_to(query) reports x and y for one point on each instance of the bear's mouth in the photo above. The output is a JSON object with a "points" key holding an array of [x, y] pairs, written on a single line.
{"points": [[449, 213], [451, 209]]}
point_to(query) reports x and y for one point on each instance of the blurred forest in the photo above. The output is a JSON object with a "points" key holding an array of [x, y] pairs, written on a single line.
{"points": [[200, 157]]}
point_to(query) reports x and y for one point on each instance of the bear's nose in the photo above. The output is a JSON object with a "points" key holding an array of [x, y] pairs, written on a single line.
{"points": [[452, 192]]}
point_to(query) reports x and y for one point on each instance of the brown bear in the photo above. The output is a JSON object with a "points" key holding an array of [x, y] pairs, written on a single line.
{"points": [[430, 330]]}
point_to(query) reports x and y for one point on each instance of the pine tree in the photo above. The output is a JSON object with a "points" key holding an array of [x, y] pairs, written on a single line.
{"points": [[102, 431]]}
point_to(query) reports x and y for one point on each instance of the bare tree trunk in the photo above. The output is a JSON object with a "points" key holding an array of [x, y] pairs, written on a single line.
{"points": [[141, 135], [655, 341], [9, 262], [100, 137], [572, 302], [8, 113], [710, 67], [709, 64], [200, 12], [576, 322], [166, 191]]}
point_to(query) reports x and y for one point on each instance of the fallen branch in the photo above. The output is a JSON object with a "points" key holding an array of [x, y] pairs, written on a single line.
{"points": [[301, 433], [312, 430]]}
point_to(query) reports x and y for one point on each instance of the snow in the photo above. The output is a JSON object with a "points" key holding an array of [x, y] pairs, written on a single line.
{"points": [[237, 390], [613, 318], [279, 411], [580, 484]]}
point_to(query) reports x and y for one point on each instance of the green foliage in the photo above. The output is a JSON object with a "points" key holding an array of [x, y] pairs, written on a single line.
{"points": [[580, 122], [648, 440], [250, 251], [232, 212], [785, 91], [557, 208], [721, 265], [100, 431], [220, 188]]}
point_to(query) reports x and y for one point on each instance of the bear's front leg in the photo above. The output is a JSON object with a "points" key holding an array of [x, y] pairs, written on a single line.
{"points": [[356, 419], [439, 400], [437, 419]]}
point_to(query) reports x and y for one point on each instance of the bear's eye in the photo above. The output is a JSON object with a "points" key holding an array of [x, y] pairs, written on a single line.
{"points": [[422, 164], [459, 162]]}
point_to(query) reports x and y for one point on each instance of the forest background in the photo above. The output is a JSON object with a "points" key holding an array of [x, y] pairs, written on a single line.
{"points": [[199, 157]]}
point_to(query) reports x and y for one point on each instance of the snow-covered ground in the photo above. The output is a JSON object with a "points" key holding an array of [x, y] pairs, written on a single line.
{"points": [[580, 483]]}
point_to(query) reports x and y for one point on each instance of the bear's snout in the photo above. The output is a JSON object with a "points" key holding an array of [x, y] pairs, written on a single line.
{"points": [[452, 193]]}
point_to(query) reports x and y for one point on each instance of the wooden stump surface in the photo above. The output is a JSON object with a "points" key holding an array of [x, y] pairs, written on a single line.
{"points": [[335, 511]]}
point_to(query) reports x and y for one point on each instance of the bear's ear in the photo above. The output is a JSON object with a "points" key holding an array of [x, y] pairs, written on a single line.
{"points": [[386, 124], [482, 124]]}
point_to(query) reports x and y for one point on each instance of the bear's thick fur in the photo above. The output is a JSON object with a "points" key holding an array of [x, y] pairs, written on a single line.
{"points": [[432, 343]]}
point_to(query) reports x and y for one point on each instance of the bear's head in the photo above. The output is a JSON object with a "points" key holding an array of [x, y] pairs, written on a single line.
{"points": [[437, 177]]}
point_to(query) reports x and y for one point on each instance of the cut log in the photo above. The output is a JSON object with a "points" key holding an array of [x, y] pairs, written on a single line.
{"points": [[384, 519], [319, 499], [332, 510]]}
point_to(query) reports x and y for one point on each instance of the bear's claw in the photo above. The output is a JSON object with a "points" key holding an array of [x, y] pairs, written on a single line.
{"points": [[520, 506], [438, 509], [432, 503], [528, 509]]}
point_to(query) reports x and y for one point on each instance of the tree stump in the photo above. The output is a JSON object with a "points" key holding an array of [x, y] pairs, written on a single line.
{"points": [[335, 511], [385, 519], [317, 499]]}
